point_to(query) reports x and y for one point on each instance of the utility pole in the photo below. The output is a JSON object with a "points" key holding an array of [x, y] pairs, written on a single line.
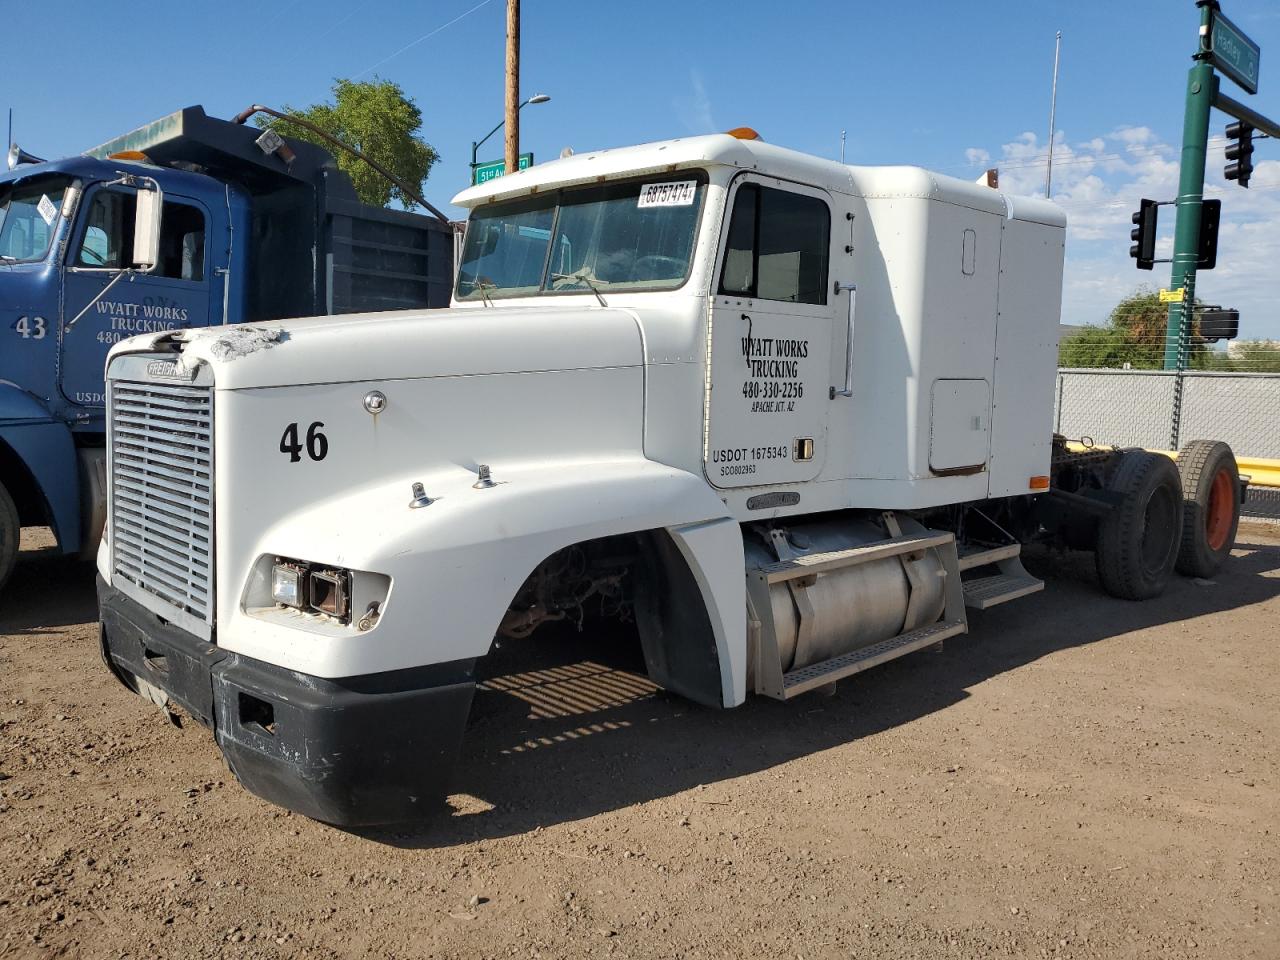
{"points": [[1224, 48], [1202, 89], [513, 86], [1053, 109]]}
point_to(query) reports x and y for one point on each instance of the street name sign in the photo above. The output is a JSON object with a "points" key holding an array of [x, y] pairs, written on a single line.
{"points": [[1234, 53], [496, 168]]}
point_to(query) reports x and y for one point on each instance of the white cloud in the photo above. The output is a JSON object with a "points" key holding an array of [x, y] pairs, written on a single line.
{"points": [[695, 109], [978, 157], [1133, 135], [1098, 183]]}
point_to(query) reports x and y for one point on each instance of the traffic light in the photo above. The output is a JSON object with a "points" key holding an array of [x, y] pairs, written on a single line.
{"points": [[1210, 214], [1144, 235], [1240, 153], [1215, 323]]}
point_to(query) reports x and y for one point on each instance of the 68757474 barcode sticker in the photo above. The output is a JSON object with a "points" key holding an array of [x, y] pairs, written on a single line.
{"points": [[673, 193]]}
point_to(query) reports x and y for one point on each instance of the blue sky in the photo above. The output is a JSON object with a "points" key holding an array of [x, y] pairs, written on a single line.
{"points": [[951, 86]]}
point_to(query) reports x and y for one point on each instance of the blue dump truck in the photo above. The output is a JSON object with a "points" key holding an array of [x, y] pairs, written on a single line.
{"points": [[189, 221]]}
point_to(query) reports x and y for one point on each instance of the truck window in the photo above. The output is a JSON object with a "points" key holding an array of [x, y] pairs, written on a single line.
{"points": [[108, 236], [29, 213], [637, 235], [777, 247]]}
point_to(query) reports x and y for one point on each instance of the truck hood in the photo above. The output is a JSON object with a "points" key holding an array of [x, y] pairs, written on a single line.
{"points": [[403, 345]]}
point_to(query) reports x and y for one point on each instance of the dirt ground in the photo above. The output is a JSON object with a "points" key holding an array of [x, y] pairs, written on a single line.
{"points": [[1077, 777]]}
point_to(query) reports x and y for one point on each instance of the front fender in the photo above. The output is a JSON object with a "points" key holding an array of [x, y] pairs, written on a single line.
{"points": [[456, 565], [42, 447]]}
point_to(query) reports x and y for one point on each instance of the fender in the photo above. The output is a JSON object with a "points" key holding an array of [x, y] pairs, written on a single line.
{"points": [[456, 564], [43, 446]]}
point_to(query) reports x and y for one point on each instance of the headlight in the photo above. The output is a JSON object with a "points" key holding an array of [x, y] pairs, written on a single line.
{"points": [[312, 588], [329, 592], [287, 583]]}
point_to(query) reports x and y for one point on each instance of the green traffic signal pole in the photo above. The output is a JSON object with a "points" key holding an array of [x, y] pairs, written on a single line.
{"points": [[1202, 89]]}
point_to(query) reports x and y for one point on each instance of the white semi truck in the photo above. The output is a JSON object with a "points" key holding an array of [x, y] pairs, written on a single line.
{"points": [[792, 416]]}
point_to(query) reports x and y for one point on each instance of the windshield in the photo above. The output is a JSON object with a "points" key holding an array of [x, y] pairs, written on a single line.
{"points": [[28, 215], [622, 236]]}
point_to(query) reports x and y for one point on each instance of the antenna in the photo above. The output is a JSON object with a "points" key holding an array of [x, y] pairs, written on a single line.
{"points": [[1053, 108], [842, 146]]}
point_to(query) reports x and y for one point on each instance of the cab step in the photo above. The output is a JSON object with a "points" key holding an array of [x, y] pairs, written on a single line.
{"points": [[820, 674], [984, 592], [815, 563], [980, 557], [1010, 583]]}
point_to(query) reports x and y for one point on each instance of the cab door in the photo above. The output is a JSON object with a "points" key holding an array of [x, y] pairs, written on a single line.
{"points": [[176, 294], [772, 323]]}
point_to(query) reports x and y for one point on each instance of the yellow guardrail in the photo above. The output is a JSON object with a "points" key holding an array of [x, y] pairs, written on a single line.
{"points": [[1262, 472]]}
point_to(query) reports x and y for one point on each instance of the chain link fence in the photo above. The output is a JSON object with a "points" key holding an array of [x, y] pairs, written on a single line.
{"points": [[1140, 408]]}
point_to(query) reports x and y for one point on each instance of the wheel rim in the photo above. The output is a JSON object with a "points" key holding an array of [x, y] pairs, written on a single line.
{"points": [[1221, 511], [1160, 521]]}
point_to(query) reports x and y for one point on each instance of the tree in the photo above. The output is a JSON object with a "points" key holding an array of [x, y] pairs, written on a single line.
{"points": [[1101, 347], [1134, 334], [1255, 356], [376, 118]]}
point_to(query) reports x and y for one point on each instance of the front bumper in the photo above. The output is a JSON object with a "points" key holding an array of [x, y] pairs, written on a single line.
{"points": [[355, 751]]}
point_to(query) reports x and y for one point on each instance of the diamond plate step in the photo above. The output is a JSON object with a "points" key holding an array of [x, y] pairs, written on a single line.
{"points": [[985, 592], [819, 674]]}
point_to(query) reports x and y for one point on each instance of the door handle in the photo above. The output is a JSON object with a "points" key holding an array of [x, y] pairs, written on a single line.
{"points": [[852, 290]]}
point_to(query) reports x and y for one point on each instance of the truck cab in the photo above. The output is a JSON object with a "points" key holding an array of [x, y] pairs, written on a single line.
{"points": [[839, 327], [243, 235], [68, 293]]}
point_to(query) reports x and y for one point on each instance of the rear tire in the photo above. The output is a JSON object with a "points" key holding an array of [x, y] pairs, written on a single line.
{"points": [[10, 532], [1211, 506], [1138, 540]]}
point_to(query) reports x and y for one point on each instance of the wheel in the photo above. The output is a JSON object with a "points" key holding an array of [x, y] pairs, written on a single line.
{"points": [[1211, 506], [1138, 540], [10, 531]]}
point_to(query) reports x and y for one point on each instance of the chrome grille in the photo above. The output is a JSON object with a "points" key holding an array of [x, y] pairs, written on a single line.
{"points": [[161, 461]]}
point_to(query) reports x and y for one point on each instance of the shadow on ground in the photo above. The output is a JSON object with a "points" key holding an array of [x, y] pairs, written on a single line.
{"points": [[577, 731], [47, 590], [566, 726]]}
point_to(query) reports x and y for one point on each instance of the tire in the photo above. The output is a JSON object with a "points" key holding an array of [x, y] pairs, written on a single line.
{"points": [[10, 531], [1211, 506], [1138, 540]]}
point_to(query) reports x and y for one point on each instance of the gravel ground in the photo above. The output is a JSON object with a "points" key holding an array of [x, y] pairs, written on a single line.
{"points": [[1077, 777]]}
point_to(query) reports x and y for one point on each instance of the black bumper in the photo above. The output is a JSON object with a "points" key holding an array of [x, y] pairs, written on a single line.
{"points": [[356, 751]]}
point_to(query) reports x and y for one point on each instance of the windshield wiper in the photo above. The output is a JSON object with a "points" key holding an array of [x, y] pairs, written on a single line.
{"points": [[480, 285], [582, 276]]}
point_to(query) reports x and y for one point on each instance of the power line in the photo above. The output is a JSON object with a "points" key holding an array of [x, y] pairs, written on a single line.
{"points": [[425, 36], [306, 52]]}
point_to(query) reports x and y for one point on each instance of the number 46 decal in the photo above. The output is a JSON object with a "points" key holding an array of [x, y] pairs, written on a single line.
{"points": [[317, 442]]}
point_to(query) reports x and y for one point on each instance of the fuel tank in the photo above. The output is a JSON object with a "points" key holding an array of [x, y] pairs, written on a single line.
{"points": [[854, 606]]}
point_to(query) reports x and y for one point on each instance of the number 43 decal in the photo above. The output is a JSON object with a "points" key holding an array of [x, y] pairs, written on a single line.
{"points": [[30, 328], [317, 442]]}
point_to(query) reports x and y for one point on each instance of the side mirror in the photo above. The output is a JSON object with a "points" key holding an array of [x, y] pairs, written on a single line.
{"points": [[146, 228]]}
